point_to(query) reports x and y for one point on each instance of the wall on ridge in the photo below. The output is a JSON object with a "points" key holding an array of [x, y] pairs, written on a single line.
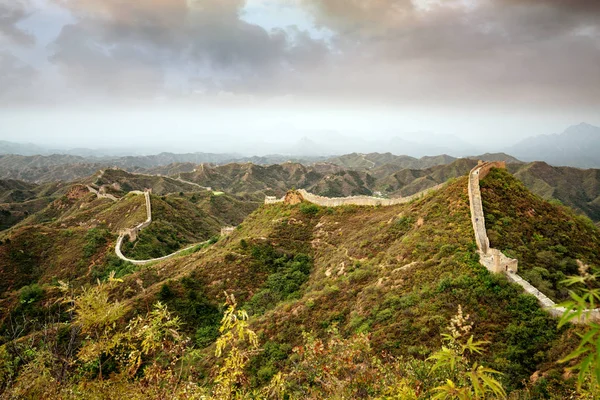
{"points": [[361, 200], [497, 262], [353, 200], [492, 259], [133, 232]]}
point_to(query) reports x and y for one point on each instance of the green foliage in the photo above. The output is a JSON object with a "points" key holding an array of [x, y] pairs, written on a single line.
{"points": [[94, 240], [113, 264], [402, 225], [31, 294], [239, 342], [587, 353], [544, 237], [200, 318], [287, 275], [309, 208], [465, 381]]}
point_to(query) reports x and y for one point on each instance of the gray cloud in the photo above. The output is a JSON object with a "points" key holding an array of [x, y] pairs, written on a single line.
{"points": [[524, 52], [493, 51], [16, 79], [118, 48], [12, 12]]}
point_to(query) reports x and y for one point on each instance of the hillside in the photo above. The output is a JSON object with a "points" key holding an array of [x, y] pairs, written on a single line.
{"points": [[186, 218], [276, 180], [118, 182], [383, 164], [547, 239], [34, 248], [41, 169], [19, 200], [397, 273], [70, 239], [68, 167], [576, 188]]}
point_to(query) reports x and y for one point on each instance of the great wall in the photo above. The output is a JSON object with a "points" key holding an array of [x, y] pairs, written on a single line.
{"points": [[492, 259], [133, 232], [351, 200], [498, 263]]}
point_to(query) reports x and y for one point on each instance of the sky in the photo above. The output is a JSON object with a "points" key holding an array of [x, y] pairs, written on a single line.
{"points": [[257, 76]]}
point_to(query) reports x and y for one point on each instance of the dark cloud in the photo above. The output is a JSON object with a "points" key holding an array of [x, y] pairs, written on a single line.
{"points": [[11, 13], [121, 48], [533, 52], [526, 52], [361, 16], [568, 6]]}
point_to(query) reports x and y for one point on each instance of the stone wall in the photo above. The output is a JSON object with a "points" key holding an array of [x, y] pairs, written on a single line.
{"points": [[351, 200], [492, 259], [228, 230], [497, 262], [361, 200], [273, 200], [133, 232]]}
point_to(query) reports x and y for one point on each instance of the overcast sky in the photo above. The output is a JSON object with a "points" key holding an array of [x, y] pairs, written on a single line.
{"points": [[177, 72]]}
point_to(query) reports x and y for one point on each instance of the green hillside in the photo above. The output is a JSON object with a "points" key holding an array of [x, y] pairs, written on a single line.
{"points": [[118, 182], [395, 273], [182, 219], [19, 199], [546, 238], [576, 188]]}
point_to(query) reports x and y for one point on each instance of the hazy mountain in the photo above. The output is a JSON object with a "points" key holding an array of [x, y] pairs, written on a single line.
{"points": [[66, 167], [25, 149], [322, 178], [577, 146], [497, 157]]}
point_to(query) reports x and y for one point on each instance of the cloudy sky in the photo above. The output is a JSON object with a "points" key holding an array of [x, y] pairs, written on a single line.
{"points": [[176, 72]]}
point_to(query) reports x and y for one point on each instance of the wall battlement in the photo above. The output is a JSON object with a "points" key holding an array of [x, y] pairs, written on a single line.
{"points": [[494, 260], [133, 232], [302, 194]]}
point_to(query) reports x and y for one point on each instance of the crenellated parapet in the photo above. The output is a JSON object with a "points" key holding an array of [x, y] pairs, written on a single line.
{"points": [[494, 260], [297, 196]]}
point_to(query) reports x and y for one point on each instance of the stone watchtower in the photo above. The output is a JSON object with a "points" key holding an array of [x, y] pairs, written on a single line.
{"points": [[293, 197]]}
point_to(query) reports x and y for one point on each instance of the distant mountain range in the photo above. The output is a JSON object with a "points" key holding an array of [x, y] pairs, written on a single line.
{"points": [[578, 146]]}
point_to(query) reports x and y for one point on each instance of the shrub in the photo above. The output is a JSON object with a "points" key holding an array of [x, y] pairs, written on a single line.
{"points": [[287, 276], [31, 294], [95, 238]]}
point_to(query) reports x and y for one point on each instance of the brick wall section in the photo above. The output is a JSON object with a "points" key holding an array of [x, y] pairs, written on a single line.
{"points": [[132, 233], [492, 259], [353, 200], [497, 262]]}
